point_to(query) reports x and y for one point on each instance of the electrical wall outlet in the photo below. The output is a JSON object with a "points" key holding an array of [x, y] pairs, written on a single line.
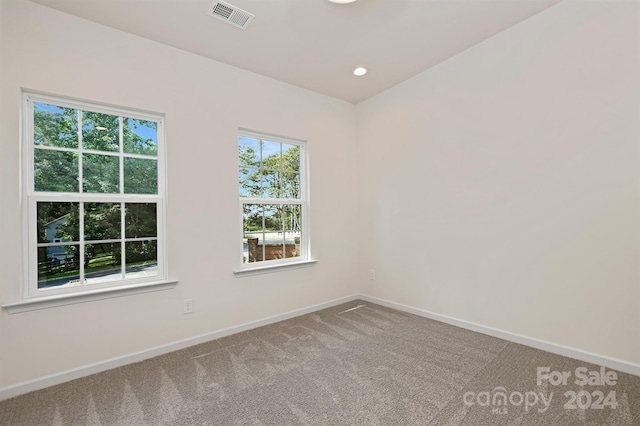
{"points": [[372, 274], [187, 306]]}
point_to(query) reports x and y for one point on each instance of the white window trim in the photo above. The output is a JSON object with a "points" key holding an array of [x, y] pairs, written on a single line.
{"points": [[305, 259], [265, 269], [30, 296]]}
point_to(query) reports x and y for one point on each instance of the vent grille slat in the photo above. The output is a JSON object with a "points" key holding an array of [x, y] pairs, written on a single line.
{"points": [[230, 14], [222, 10], [239, 18]]}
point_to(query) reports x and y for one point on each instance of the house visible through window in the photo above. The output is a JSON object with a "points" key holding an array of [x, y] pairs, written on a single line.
{"points": [[94, 192], [273, 199]]}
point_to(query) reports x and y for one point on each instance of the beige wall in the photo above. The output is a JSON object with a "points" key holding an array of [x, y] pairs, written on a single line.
{"points": [[205, 102], [509, 176]]}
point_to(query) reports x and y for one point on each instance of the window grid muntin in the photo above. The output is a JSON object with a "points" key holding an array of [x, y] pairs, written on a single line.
{"points": [[82, 241], [32, 197], [80, 151], [95, 151]]}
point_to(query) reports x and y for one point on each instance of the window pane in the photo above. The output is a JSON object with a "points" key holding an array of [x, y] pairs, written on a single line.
{"points": [[100, 131], [252, 232], [101, 221], [292, 244], [271, 184], [102, 262], [140, 137], [58, 222], [291, 157], [55, 171], [58, 265], [250, 183], [140, 220], [273, 235], [55, 126], [254, 249], [252, 215], [141, 258], [140, 176], [292, 219], [272, 218], [271, 155], [290, 185], [100, 173], [249, 152]]}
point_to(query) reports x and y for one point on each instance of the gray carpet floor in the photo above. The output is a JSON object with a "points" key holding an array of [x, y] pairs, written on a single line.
{"points": [[353, 364]]}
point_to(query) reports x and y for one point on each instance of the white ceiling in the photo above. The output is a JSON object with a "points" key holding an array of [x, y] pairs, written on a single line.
{"points": [[316, 44]]}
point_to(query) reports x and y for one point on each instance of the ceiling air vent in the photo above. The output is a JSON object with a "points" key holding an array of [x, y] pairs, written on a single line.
{"points": [[231, 14]]}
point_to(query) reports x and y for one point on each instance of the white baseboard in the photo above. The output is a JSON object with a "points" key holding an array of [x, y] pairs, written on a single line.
{"points": [[613, 363], [76, 373], [65, 376]]}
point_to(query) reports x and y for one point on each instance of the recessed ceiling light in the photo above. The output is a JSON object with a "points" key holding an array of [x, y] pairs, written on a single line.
{"points": [[360, 71], [342, 1]]}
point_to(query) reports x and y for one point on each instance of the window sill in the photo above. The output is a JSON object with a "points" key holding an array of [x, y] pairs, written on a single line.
{"points": [[71, 298], [265, 269]]}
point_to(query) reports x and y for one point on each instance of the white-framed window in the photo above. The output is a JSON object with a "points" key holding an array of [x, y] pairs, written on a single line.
{"points": [[93, 195], [273, 191]]}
